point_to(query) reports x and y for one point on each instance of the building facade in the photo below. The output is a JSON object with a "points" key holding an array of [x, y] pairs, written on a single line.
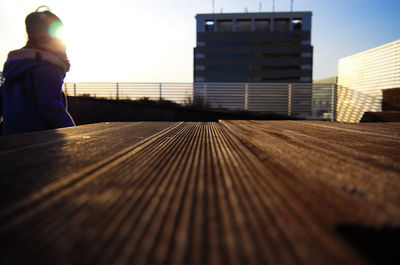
{"points": [[363, 76], [254, 47], [372, 70]]}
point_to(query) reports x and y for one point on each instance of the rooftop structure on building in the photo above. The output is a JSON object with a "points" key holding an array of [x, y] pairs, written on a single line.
{"points": [[253, 47]]}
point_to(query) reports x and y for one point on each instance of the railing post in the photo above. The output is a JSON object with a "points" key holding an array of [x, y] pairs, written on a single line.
{"points": [[334, 102], [74, 89], [246, 96], [160, 91], [117, 95], [289, 99]]}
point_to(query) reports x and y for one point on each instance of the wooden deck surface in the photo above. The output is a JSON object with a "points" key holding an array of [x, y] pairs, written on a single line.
{"points": [[233, 192]]}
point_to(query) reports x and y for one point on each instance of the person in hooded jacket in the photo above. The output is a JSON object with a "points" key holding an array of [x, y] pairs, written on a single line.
{"points": [[31, 97]]}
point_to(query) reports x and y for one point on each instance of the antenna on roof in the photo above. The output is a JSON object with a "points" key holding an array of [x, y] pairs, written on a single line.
{"points": [[273, 5], [213, 6], [291, 5], [246, 10], [260, 6]]}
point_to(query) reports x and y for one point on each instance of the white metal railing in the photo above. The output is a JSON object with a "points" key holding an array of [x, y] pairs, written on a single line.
{"points": [[309, 100], [351, 105], [177, 92], [314, 101]]}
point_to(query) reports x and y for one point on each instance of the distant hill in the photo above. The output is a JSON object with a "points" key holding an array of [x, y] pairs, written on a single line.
{"points": [[326, 80]]}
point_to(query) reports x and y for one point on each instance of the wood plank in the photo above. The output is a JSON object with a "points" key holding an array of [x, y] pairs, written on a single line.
{"points": [[58, 155], [234, 192], [382, 128], [344, 169], [8, 143]]}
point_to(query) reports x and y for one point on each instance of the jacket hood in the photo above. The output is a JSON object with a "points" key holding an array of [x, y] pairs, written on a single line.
{"points": [[21, 60]]}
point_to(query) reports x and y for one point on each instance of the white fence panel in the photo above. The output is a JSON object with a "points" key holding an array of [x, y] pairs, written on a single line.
{"points": [[305, 100]]}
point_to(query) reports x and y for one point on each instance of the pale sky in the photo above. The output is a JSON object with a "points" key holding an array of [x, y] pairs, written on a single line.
{"points": [[153, 41]]}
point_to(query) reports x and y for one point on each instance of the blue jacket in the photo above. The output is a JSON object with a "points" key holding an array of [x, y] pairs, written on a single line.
{"points": [[31, 98]]}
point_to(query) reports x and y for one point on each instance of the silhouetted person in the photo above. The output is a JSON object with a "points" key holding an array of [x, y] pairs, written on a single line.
{"points": [[31, 98]]}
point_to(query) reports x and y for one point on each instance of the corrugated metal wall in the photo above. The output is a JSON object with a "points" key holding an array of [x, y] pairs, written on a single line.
{"points": [[371, 71]]}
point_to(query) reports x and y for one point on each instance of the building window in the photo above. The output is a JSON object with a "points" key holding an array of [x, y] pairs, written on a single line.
{"points": [[262, 25], [227, 67], [227, 55], [225, 25], [243, 25], [281, 24], [276, 79], [305, 79], [210, 25], [276, 55], [297, 23], [306, 67], [276, 43], [227, 79], [199, 56], [274, 67], [227, 43]]}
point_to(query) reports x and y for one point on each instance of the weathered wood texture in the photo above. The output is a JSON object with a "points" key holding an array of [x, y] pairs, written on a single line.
{"points": [[234, 192]]}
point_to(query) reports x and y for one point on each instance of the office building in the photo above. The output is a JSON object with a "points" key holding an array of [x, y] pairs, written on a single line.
{"points": [[254, 47]]}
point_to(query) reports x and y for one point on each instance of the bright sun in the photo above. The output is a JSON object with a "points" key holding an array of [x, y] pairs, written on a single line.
{"points": [[97, 45], [128, 44]]}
